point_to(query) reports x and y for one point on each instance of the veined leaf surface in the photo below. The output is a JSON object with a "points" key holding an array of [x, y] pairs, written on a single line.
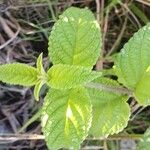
{"points": [[18, 74], [142, 91], [42, 76], [133, 61], [66, 118], [110, 110], [75, 38], [67, 77]]}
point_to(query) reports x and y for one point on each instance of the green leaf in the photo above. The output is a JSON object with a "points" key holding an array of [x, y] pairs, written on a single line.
{"points": [[142, 91], [110, 110], [42, 76], [145, 141], [75, 38], [18, 74], [134, 58], [67, 77], [66, 118], [39, 64], [37, 89]]}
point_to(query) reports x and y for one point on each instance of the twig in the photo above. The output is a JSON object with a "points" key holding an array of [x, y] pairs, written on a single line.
{"points": [[6, 28], [144, 2], [98, 10], [2, 41], [115, 45], [139, 111], [13, 89], [102, 22], [10, 40], [40, 5], [99, 63], [51, 10], [9, 32], [138, 12], [105, 28], [105, 145], [92, 148], [14, 137]]}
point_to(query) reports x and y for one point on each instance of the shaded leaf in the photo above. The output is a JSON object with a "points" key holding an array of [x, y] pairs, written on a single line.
{"points": [[110, 110], [142, 91]]}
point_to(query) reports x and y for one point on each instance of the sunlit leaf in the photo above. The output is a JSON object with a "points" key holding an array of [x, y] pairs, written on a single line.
{"points": [[67, 77], [75, 38], [66, 118], [18, 74]]}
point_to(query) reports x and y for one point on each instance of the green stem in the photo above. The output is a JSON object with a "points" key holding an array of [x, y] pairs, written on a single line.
{"points": [[31, 120], [108, 88]]}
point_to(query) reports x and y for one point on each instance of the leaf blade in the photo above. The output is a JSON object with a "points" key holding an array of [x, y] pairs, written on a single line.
{"points": [[142, 93], [67, 77], [66, 120], [18, 74], [75, 38], [42, 76], [110, 110], [127, 65]]}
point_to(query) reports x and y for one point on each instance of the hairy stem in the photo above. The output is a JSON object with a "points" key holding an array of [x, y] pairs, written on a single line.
{"points": [[120, 137], [31, 120], [108, 88]]}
